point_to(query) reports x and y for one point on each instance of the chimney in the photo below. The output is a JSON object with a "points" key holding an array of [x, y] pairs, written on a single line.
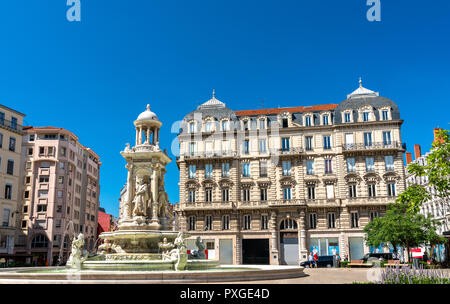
{"points": [[408, 158], [417, 152], [435, 130]]}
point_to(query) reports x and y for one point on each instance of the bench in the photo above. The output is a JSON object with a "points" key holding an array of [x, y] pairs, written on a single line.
{"points": [[359, 263], [395, 263]]}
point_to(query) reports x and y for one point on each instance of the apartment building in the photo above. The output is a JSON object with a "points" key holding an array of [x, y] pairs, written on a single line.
{"points": [[11, 133], [437, 208], [268, 186], [60, 192]]}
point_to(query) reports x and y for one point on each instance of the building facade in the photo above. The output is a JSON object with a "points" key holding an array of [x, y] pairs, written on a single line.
{"points": [[269, 186], [438, 208], [60, 193], [11, 133], [106, 222]]}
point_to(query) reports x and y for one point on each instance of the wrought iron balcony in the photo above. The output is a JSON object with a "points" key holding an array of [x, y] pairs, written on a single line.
{"points": [[287, 151], [372, 146], [209, 154], [11, 125], [208, 205]]}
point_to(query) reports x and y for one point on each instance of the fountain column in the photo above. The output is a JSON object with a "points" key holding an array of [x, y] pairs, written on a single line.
{"points": [[127, 205], [154, 222]]}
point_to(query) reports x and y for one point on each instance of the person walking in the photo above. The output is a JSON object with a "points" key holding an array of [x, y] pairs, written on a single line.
{"points": [[311, 259], [316, 258]]}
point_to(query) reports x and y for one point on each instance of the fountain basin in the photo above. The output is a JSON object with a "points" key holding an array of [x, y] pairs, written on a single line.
{"points": [[150, 265], [139, 241], [223, 273]]}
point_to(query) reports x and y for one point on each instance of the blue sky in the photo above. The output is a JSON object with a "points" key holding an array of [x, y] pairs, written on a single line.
{"points": [[95, 76]]}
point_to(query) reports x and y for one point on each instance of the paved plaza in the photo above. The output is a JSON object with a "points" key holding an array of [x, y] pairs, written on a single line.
{"points": [[321, 276]]}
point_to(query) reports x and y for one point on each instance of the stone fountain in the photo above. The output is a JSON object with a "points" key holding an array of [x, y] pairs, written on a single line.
{"points": [[145, 239]]}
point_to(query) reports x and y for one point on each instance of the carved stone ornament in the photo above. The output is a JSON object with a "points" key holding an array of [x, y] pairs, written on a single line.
{"points": [[192, 184], [371, 178], [225, 183], [391, 177], [352, 178], [287, 181]]}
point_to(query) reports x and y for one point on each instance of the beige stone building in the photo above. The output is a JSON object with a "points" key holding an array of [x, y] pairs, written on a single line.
{"points": [[269, 186], [10, 159], [60, 193]]}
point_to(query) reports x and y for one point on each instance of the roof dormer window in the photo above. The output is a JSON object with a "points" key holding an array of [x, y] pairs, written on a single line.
{"points": [[347, 117], [385, 113], [366, 115], [208, 126], [225, 125], [262, 123], [284, 122], [245, 125], [308, 120], [192, 127]]}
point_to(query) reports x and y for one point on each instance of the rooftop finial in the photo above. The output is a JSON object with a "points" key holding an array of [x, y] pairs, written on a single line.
{"points": [[360, 82], [148, 107], [214, 93]]}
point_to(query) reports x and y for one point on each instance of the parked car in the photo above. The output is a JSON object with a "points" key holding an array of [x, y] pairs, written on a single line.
{"points": [[324, 261], [378, 256]]}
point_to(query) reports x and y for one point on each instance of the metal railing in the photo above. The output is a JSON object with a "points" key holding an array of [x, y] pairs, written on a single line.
{"points": [[11, 125], [283, 151], [372, 146]]}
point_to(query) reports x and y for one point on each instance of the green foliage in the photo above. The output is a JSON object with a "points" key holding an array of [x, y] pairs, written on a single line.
{"points": [[436, 168], [402, 228], [344, 264]]}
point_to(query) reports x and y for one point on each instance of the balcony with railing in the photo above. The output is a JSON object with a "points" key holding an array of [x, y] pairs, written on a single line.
{"points": [[287, 151], [283, 202], [370, 200], [11, 125], [252, 204], [392, 145], [208, 205], [208, 154]]}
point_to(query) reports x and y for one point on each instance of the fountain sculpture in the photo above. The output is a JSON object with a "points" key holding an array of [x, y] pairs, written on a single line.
{"points": [[145, 239]]}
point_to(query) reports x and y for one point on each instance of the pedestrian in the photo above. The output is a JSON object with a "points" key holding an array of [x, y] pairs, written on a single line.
{"points": [[310, 259], [316, 258]]}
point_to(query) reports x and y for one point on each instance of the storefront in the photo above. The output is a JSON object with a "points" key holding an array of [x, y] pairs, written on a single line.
{"points": [[324, 246]]}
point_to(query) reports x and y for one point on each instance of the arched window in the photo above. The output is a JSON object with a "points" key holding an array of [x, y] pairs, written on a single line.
{"points": [[288, 224], [39, 241]]}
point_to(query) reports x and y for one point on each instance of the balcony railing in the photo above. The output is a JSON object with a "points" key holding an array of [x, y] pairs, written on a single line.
{"points": [[209, 154], [12, 125], [287, 151], [210, 205], [372, 146]]}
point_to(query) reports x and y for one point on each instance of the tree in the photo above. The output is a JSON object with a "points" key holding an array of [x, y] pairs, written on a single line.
{"points": [[437, 168], [402, 228]]}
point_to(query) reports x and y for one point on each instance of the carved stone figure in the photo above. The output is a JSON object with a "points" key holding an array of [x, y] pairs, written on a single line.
{"points": [[141, 197], [77, 256], [105, 247], [179, 254], [166, 247], [198, 254], [163, 201]]}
